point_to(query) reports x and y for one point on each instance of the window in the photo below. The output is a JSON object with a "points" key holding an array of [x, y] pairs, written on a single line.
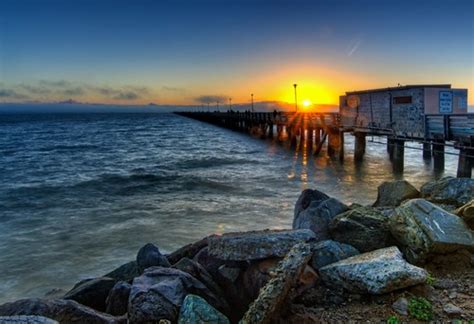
{"points": [[402, 100]]}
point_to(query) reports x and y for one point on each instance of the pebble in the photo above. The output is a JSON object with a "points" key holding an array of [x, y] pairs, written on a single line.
{"points": [[401, 306], [451, 309]]}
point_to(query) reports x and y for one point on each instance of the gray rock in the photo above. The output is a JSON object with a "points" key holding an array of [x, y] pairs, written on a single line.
{"points": [[198, 272], [196, 310], [257, 244], [451, 309], [327, 252], [126, 272], [307, 197], [375, 272], [208, 262], [365, 228], [393, 193], [61, 310], [149, 256], [422, 229], [257, 275], [91, 292], [117, 300], [449, 190], [229, 273], [274, 295], [317, 216], [26, 319], [159, 293], [187, 251], [401, 306]]}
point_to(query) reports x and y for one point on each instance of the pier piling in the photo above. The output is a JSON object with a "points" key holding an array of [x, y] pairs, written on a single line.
{"points": [[359, 146]]}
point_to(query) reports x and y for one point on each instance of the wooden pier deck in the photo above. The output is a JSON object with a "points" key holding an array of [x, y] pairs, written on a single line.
{"points": [[315, 129]]}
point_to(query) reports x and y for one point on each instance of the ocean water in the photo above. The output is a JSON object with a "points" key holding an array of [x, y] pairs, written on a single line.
{"points": [[81, 193]]}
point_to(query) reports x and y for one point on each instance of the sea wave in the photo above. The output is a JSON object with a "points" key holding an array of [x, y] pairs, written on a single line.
{"points": [[210, 162]]}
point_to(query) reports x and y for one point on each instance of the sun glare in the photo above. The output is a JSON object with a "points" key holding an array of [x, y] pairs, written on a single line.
{"points": [[306, 103]]}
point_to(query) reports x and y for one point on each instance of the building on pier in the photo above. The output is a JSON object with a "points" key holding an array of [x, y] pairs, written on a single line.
{"points": [[402, 110]]}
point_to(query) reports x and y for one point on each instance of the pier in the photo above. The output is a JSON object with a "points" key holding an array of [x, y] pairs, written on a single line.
{"points": [[315, 130]]}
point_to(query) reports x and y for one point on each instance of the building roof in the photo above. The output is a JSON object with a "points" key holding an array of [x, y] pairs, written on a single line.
{"points": [[405, 87]]}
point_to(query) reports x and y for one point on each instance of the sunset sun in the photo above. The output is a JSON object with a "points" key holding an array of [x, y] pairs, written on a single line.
{"points": [[306, 103]]}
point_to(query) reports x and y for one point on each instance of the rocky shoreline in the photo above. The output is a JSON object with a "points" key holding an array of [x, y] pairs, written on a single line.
{"points": [[409, 257]]}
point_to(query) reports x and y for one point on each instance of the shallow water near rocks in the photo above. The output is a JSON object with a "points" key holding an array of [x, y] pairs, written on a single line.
{"points": [[81, 193]]}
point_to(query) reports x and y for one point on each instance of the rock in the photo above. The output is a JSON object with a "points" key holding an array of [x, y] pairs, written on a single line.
{"points": [[91, 292], [61, 310], [125, 272], [159, 293], [117, 300], [449, 190], [307, 279], [401, 306], [229, 273], [451, 309], [148, 256], [317, 216], [187, 251], [208, 262], [466, 212], [198, 272], [273, 296], [393, 193], [258, 274], [422, 230], [375, 272], [307, 197], [196, 310], [256, 244], [327, 252], [364, 228], [26, 319]]}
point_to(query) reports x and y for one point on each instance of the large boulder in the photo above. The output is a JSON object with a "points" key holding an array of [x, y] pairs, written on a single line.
{"points": [[117, 300], [364, 228], [26, 319], [423, 229], [257, 275], [208, 262], [126, 272], [317, 216], [196, 310], [159, 293], [275, 294], [393, 193], [61, 310], [466, 212], [375, 272], [149, 256], [449, 190], [92, 292], [256, 244], [307, 197], [328, 251]]}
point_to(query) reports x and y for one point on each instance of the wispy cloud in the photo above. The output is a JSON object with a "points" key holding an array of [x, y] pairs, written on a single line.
{"points": [[210, 99], [173, 89], [11, 94], [354, 45]]}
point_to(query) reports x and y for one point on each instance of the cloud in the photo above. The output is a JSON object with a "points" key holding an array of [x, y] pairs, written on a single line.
{"points": [[55, 84], [11, 94], [127, 95], [354, 45], [76, 91], [173, 89], [33, 89], [210, 99]]}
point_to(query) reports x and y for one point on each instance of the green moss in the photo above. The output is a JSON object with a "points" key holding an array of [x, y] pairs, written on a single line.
{"points": [[393, 320], [420, 308], [430, 280]]}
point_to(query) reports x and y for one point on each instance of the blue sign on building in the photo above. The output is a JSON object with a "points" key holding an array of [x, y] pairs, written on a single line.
{"points": [[445, 102]]}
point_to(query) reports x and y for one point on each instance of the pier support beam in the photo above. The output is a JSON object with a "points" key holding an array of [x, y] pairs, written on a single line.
{"points": [[317, 136], [465, 163], [359, 146], [398, 160], [438, 155], [341, 146], [427, 151], [334, 141], [390, 147]]}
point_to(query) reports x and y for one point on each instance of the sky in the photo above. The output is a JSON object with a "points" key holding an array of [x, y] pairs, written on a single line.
{"points": [[195, 52]]}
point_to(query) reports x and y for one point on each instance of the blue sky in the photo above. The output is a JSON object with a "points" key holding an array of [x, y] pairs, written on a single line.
{"points": [[136, 52]]}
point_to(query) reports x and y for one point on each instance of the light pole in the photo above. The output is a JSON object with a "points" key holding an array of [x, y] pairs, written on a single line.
{"points": [[296, 98], [252, 100], [230, 104]]}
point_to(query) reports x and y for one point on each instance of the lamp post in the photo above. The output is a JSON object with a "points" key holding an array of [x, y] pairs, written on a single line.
{"points": [[230, 104], [296, 98], [251, 95]]}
